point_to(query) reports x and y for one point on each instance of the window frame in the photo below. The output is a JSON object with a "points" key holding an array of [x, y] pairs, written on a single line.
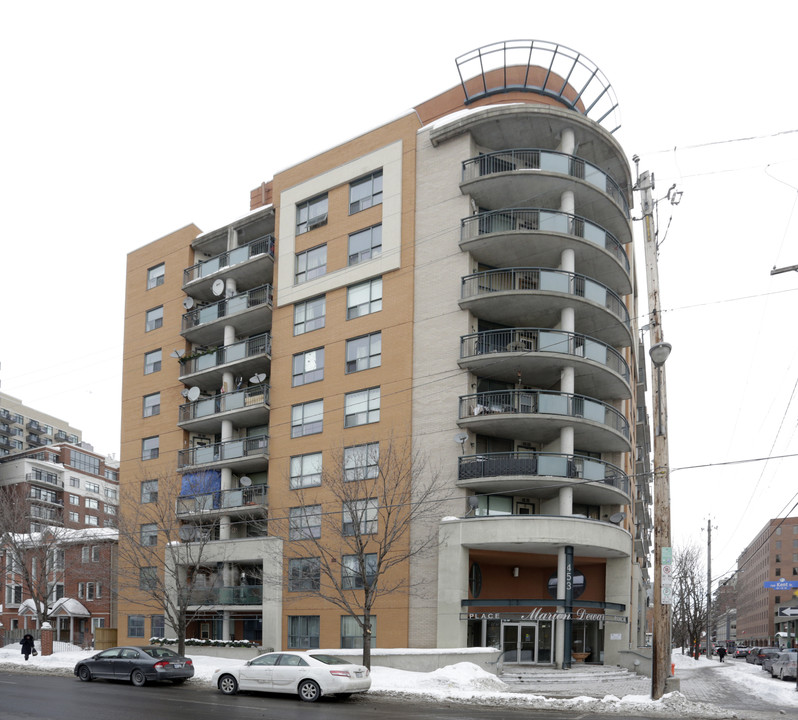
{"points": [[299, 525], [372, 305], [148, 534], [153, 363], [367, 520], [146, 486], [370, 401], [303, 270], [371, 197], [303, 307], [154, 278], [153, 321], [351, 640], [134, 623], [370, 360], [301, 422], [150, 453], [304, 574], [361, 462], [298, 469], [350, 571], [373, 236], [151, 409], [300, 631], [300, 374], [312, 213]]}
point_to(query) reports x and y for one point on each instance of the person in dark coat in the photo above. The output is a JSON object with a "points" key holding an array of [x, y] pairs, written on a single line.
{"points": [[721, 653], [27, 645]]}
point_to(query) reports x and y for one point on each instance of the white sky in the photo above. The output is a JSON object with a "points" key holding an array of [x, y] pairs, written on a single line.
{"points": [[120, 124]]}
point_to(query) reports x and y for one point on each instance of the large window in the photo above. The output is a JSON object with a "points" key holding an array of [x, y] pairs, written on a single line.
{"points": [[309, 315], [311, 214], [361, 462], [148, 578], [365, 245], [149, 534], [307, 418], [91, 520], [360, 517], [152, 362], [364, 352], [303, 631], [364, 298], [362, 407], [150, 448], [153, 319], [304, 522], [149, 491], [157, 626], [365, 192], [353, 575], [81, 461], [92, 503], [304, 574], [135, 626], [305, 470], [152, 405], [352, 632], [155, 276], [308, 367], [310, 264]]}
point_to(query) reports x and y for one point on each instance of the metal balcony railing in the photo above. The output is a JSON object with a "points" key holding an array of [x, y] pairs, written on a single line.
{"points": [[226, 402], [537, 279], [234, 595], [203, 503], [251, 347], [531, 159], [226, 308], [484, 465], [42, 477], [219, 452], [535, 340], [540, 219], [260, 246], [36, 427], [543, 402]]}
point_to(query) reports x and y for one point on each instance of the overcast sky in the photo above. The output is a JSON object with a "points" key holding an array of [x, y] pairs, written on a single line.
{"points": [[121, 123]]}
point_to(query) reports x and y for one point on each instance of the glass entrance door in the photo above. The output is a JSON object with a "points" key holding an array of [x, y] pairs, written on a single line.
{"points": [[519, 642]]}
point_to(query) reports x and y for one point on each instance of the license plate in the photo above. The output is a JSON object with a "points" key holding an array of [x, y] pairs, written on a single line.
{"points": [[358, 674], [177, 665]]}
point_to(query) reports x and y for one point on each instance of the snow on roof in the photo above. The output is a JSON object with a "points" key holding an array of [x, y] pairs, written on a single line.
{"points": [[28, 607], [68, 607], [66, 535]]}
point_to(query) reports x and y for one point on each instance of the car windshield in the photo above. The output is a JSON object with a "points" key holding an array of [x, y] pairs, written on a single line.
{"points": [[331, 660], [159, 652]]}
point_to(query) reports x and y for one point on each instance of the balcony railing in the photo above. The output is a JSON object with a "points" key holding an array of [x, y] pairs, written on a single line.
{"points": [[536, 279], [544, 340], [220, 452], [47, 478], [531, 159], [251, 347], [263, 245], [36, 427], [226, 402], [225, 308], [35, 440], [473, 467], [235, 595], [530, 219], [543, 402], [221, 500]]}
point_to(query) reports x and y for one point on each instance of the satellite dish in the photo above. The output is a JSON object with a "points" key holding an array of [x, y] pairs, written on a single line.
{"points": [[461, 438], [258, 378], [177, 353], [188, 303], [473, 502], [617, 518], [184, 392], [193, 393], [245, 481], [218, 287]]}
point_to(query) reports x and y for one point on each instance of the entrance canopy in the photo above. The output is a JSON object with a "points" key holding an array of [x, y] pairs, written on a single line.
{"points": [[68, 607]]}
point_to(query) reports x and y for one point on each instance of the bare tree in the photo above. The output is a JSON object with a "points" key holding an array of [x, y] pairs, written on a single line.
{"points": [[689, 591], [356, 547]]}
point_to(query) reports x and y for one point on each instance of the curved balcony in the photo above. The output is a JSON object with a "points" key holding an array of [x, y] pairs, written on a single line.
{"points": [[601, 372], [244, 408], [244, 359], [539, 415], [594, 482], [538, 236], [253, 499], [250, 312], [540, 534], [248, 264], [519, 296], [248, 454], [510, 177]]}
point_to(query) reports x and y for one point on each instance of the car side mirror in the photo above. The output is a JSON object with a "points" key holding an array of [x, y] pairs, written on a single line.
{"points": [[248, 662]]}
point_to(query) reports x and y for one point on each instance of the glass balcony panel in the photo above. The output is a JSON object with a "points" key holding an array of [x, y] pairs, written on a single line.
{"points": [[554, 281], [237, 303], [233, 498], [206, 361], [554, 222], [553, 465], [594, 411], [595, 292], [204, 455], [209, 267], [595, 177], [553, 404], [236, 352], [595, 234], [233, 401], [206, 407], [233, 449], [209, 313], [554, 162], [593, 470], [554, 342], [238, 255], [595, 351]]}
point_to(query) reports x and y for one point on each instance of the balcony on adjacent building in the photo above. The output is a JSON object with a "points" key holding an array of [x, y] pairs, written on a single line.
{"points": [[538, 352], [518, 296], [245, 408], [36, 427], [44, 478], [249, 454], [35, 440], [232, 595], [251, 499], [250, 312], [540, 415], [244, 359], [5, 443]]}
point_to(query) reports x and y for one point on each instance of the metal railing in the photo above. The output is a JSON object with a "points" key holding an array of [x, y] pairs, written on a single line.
{"points": [[532, 340], [202, 503], [225, 308], [260, 246], [231, 595], [49, 478], [543, 402], [256, 395], [528, 219], [228, 450], [484, 465], [251, 347], [519, 159]]}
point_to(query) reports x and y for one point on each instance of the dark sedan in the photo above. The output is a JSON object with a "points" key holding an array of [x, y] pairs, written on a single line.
{"points": [[740, 652], [137, 665]]}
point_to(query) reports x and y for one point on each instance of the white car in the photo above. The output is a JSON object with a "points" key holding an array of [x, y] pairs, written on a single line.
{"points": [[308, 674]]}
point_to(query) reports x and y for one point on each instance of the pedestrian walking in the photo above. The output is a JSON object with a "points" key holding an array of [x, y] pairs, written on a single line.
{"points": [[28, 648], [721, 653]]}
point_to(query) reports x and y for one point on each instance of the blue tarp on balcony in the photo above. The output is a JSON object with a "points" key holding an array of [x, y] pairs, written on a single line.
{"points": [[205, 483]]}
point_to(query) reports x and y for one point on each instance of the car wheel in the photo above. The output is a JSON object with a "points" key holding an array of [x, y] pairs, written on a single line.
{"points": [[84, 673], [309, 691], [228, 685], [137, 678]]}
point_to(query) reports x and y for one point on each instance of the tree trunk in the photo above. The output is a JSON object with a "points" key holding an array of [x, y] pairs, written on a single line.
{"points": [[367, 640]]}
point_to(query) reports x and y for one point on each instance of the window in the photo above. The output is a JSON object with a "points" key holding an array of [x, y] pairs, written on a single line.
{"points": [[362, 407], [352, 574], [74, 517], [74, 482], [304, 574], [110, 474], [91, 520], [778, 557], [303, 631], [13, 594], [153, 319], [149, 491], [111, 493], [360, 517], [778, 572], [307, 418], [92, 487], [109, 509], [305, 470], [149, 448], [152, 362], [155, 276], [149, 534], [364, 352], [311, 214], [152, 404], [365, 245], [364, 298], [308, 367], [365, 192], [148, 578], [361, 462], [95, 553], [158, 626], [58, 591], [135, 626], [310, 264], [309, 315], [352, 632], [82, 461], [74, 499], [92, 503], [304, 522]]}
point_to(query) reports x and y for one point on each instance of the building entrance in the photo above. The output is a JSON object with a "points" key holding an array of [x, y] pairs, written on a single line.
{"points": [[527, 642]]}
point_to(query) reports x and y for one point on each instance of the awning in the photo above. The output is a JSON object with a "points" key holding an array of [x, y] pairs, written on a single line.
{"points": [[68, 607]]}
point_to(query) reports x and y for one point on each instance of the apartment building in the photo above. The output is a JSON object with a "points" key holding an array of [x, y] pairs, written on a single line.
{"points": [[24, 428], [461, 278]]}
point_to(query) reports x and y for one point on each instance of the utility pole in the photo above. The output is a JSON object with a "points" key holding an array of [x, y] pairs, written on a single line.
{"points": [[709, 589]]}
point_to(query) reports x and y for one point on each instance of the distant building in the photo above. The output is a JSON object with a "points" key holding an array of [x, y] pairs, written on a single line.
{"points": [[25, 428]]}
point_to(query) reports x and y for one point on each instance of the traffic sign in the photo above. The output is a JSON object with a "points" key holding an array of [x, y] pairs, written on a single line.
{"points": [[781, 584], [787, 611]]}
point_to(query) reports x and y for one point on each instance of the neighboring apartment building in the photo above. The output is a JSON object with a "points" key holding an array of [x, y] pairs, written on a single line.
{"points": [[24, 428], [462, 276], [771, 557]]}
